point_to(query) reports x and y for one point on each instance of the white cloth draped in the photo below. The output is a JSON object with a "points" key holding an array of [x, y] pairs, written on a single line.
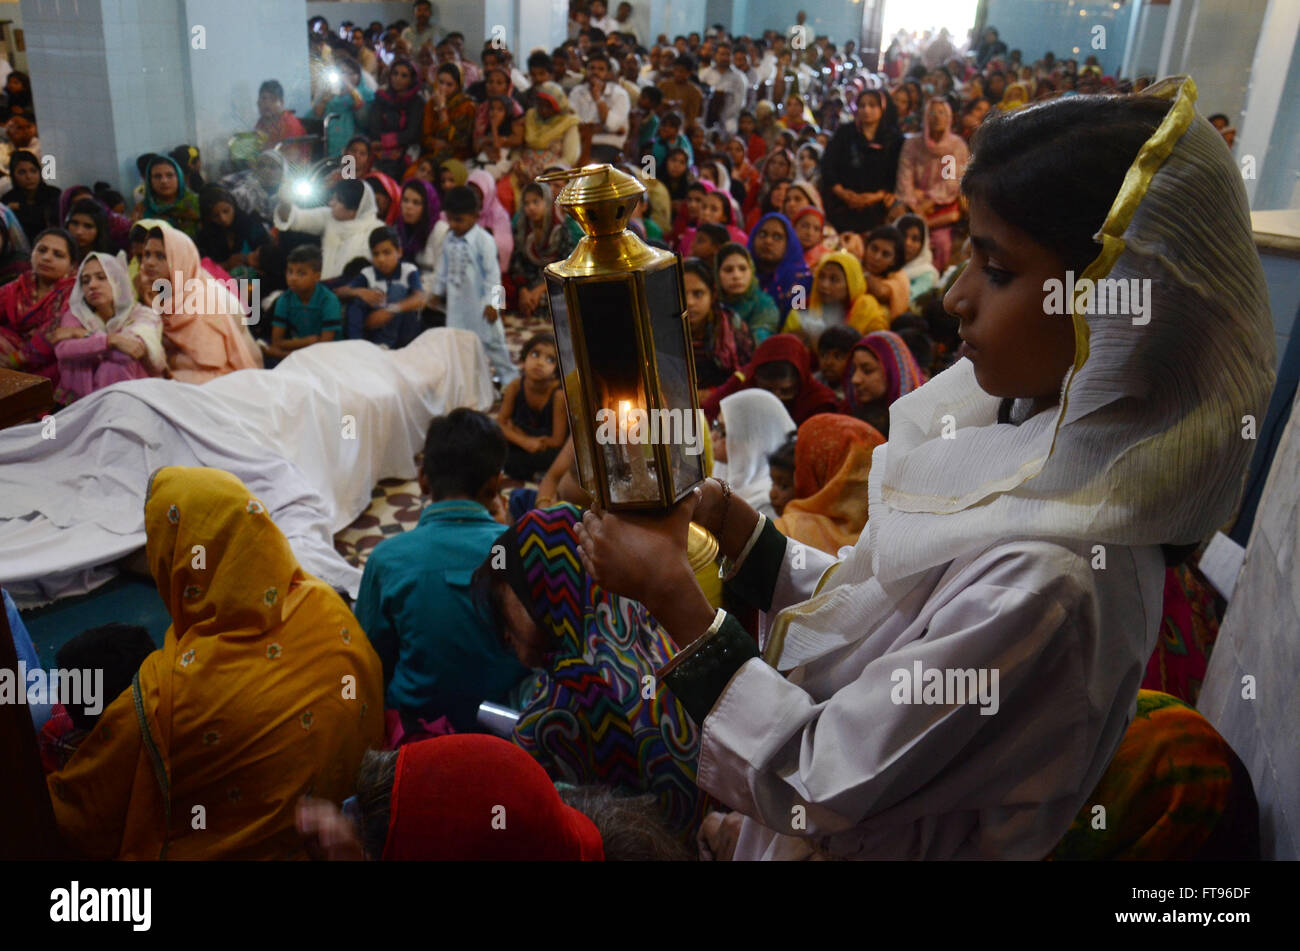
{"points": [[310, 438]]}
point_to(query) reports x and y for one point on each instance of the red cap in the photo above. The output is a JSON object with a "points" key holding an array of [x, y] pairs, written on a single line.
{"points": [[480, 798]]}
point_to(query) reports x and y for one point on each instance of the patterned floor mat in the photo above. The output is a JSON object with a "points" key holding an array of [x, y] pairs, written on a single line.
{"points": [[395, 504]]}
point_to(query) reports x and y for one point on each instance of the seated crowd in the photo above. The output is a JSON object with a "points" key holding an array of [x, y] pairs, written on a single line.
{"points": [[816, 204]]}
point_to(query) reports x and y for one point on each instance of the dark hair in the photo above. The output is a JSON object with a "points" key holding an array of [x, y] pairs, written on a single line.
{"points": [[696, 186], [117, 649], [732, 248], [95, 212], [73, 250], [462, 451], [25, 157], [914, 331], [109, 196], [783, 456], [598, 54], [454, 72], [374, 788], [349, 192], [700, 269], [461, 200], [355, 267], [1020, 160], [654, 94], [543, 338], [687, 60], [363, 139], [838, 339], [273, 87], [1218, 115], [308, 254], [777, 371], [671, 118], [539, 59], [895, 237], [718, 234]]}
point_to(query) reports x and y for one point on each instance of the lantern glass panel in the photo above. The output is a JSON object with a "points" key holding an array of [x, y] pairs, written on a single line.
{"points": [[582, 434], [623, 437], [680, 428]]}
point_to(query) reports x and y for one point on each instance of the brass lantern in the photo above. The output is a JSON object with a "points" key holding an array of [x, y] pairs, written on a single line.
{"points": [[619, 312]]}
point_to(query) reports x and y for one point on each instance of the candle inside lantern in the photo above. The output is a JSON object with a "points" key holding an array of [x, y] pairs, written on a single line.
{"points": [[632, 451]]}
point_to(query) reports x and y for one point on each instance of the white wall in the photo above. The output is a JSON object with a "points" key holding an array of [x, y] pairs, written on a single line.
{"points": [[1145, 57], [1218, 51]]}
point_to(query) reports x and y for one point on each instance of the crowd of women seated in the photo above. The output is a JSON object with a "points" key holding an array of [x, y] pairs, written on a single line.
{"points": [[818, 208]]}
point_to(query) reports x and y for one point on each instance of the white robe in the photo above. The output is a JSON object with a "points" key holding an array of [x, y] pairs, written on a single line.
{"points": [[882, 780], [341, 241]]}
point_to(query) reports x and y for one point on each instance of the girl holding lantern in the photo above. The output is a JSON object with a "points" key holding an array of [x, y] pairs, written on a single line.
{"points": [[978, 555]]}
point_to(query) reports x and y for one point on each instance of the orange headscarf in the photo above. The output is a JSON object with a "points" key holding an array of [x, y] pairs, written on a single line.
{"points": [[832, 459], [202, 345], [265, 690]]}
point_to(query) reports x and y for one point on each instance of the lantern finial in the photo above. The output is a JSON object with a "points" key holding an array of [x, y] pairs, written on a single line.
{"points": [[599, 197]]}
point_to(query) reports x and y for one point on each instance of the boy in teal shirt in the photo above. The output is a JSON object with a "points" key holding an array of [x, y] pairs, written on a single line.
{"points": [[308, 312], [441, 655]]}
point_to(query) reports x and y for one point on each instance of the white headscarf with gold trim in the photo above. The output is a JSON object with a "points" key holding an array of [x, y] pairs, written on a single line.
{"points": [[1146, 446]]}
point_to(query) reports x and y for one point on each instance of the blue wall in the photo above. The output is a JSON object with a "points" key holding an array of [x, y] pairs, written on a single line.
{"points": [[1036, 26], [840, 20]]}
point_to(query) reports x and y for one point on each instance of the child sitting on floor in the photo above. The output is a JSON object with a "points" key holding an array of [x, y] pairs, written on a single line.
{"points": [[117, 650], [780, 466], [308, 312], [709, 240], [467, 280], [440, 653], [834, 348], [385, 299], [533, 414]]}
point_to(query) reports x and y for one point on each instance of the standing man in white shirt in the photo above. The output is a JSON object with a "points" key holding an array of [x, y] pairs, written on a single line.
{"points": [[424, 31], [623, 21], [731, 82], [603, 106], [600, 18]]}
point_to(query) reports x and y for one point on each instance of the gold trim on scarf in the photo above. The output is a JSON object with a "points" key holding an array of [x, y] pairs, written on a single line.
{"points": [[1137, 180]]}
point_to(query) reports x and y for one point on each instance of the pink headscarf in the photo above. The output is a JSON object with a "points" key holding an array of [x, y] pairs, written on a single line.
{"points": [[493, 217]]}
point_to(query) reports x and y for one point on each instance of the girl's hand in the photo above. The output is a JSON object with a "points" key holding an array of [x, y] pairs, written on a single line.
{"points": [[328, 835], [129, 344], [616, 550], [67, 333]]}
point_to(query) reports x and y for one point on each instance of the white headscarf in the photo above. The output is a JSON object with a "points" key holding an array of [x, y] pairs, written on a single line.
{"points": [[757, 424], [1146, 445], [129, 316]]}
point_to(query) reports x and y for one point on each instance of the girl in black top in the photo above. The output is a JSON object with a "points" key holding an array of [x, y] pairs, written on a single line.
{"points": [[860, 166], [533, 414]]}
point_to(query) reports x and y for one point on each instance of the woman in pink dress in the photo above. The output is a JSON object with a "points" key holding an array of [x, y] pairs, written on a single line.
{"points": [[114, 337]]}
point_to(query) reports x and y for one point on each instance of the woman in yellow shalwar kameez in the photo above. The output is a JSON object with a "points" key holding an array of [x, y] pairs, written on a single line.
{"points": [[265, 690]]}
